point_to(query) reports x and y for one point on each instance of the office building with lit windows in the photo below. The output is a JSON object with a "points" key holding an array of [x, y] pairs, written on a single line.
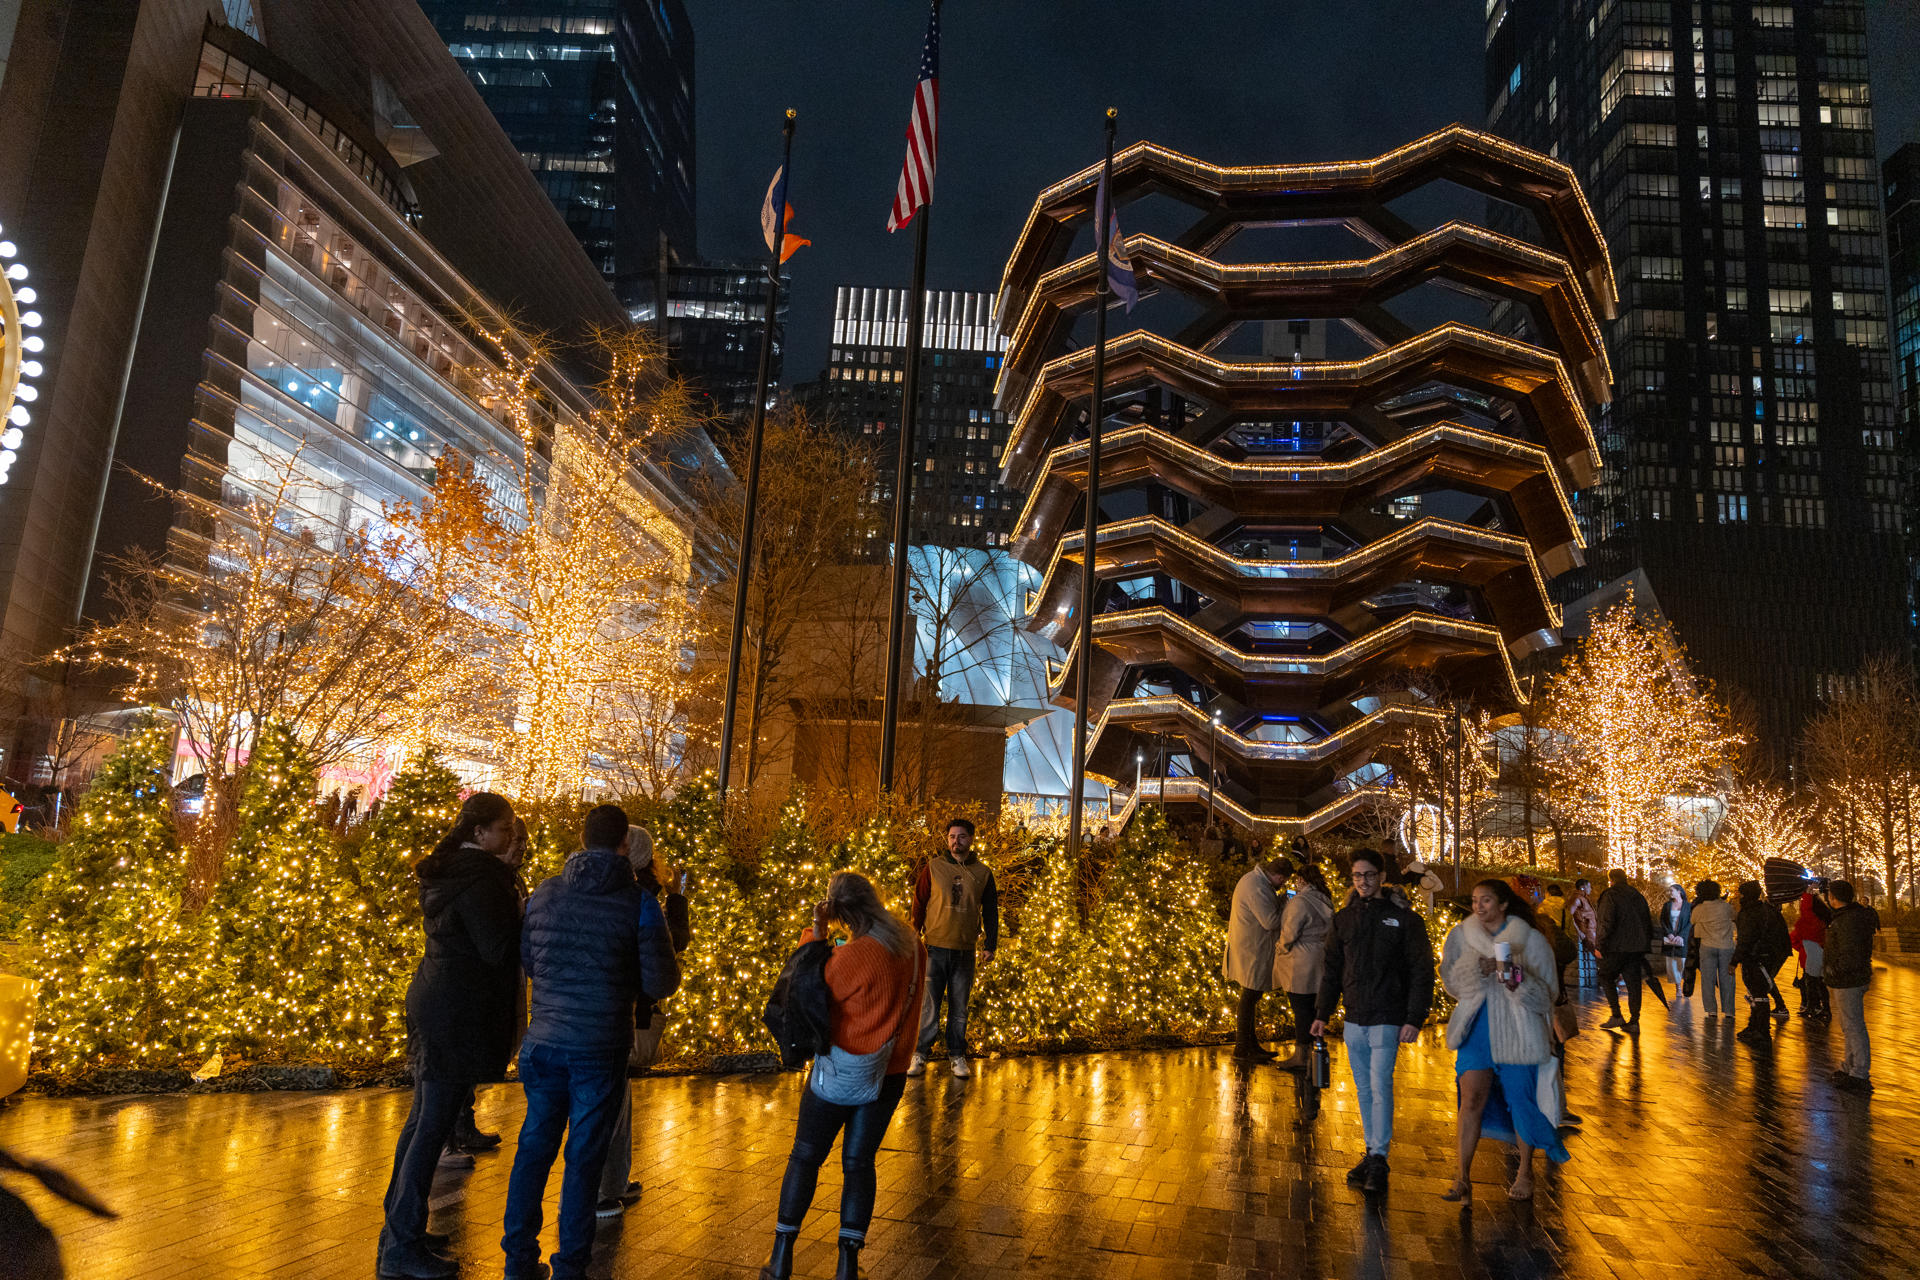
{"points": [[712, 329], [598, 96], [1902, 176], [958, 500], [251, 256], [1751, 463]]}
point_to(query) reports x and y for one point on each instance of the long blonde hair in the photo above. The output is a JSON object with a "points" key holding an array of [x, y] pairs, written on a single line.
{"points": [[852, 901]]}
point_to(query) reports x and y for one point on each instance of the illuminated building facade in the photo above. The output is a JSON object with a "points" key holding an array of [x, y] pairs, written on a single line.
{"points": [[958, 500], [598, 96], [1277, 605], [254, 251], [1753, 471]]}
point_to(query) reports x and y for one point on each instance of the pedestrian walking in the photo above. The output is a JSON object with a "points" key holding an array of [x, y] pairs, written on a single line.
{"points": [[1809, 936], [594, 945], [1713, 928], [1300, 957], [1625, 934], [1586, 927], [1253, 934], [1676, 931], [1760, 947], [1500, 970], [954, 900], [460, 1016], [618, 1191], [1379, 964], [873, 996], [1848, 971]]}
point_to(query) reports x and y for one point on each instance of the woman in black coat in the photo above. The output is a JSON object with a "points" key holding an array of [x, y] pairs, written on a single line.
{"points": [[461, 1010], [1760, 946]]}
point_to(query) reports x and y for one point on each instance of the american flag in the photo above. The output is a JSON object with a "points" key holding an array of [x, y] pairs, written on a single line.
{"points": [[916, 176]]}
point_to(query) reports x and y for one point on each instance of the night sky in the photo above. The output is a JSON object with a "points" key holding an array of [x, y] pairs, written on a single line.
{"points": [[1023, 85]]}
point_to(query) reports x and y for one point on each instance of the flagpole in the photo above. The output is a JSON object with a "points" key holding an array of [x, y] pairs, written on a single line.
{"points": [[1083, 687], [909, 413], [757, 438], [903, 497]]}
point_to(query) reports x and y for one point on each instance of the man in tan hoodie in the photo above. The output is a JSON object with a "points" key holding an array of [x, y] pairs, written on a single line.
{"points": [[953, 900]]}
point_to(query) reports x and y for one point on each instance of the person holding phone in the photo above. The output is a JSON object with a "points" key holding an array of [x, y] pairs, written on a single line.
{"points": [[460, 1017], [1379, 963], [873, 1001], [1501, 971]]}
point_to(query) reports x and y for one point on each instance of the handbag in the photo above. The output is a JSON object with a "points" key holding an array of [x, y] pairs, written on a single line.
{"points": [[1565, 1021], [646, 1042], [1691, 973], [1547, 1092], [849, 1079]]}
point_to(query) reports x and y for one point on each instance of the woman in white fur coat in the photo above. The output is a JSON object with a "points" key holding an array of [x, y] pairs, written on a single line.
{"points": [[1500, 1031]]}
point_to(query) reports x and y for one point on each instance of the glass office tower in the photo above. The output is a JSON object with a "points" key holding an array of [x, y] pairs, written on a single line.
{"points": [[1751, 461], [598, 96]]}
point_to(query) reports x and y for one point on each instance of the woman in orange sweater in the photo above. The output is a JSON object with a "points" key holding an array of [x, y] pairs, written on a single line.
{"points": [[873, 987]]}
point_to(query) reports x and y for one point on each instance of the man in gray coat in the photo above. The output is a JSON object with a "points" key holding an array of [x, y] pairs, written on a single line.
{"points": [[1252, 931]]}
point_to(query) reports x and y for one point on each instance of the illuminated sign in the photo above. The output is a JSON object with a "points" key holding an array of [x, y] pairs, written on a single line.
{"points": [[20, 349]]}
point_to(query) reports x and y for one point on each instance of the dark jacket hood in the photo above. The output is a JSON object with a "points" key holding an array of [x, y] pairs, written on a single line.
{"points": [[445, 876], [597, 871]]}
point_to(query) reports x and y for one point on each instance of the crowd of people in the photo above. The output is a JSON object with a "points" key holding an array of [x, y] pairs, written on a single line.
{"points": [[566, 981], [1512, 967]]}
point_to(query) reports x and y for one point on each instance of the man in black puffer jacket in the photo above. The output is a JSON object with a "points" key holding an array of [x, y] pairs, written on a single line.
{"points": [[1761, 944], [1379, 961], [593, 944]]}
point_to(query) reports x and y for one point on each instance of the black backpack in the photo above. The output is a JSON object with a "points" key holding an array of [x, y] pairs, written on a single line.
{"points": [[797, 1014]]}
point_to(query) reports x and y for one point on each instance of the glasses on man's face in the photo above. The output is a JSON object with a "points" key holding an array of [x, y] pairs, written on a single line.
{"points": [[1366, 875]]}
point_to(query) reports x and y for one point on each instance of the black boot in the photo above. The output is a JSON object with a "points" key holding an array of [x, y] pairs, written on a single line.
{"points": [[1822, 1009], [780, 1265], [1759, 1028], [849, 1268]]}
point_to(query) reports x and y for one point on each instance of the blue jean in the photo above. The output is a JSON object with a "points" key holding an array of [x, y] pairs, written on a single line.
{"points": [[1371, 1054], [949, 976], [576, 1094]]}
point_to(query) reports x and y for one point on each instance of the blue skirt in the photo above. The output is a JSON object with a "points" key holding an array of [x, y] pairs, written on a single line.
{"points": [[1511, 1114]]}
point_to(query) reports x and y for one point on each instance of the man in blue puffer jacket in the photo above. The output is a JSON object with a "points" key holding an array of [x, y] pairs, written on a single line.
{"points": [[593, 942]]}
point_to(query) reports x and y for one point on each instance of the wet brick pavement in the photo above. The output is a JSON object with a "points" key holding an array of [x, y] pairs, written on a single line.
{"points": [[1700, 1158]]}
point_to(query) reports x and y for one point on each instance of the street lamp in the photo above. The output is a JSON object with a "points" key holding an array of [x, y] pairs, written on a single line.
{"points": [[1139, 765], [1213, 772]]}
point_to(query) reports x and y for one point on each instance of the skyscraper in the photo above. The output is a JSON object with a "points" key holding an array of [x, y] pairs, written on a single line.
{"points": [[1751, 467], [712, 329], [958, 500], [598, 96], [1902, 175]]}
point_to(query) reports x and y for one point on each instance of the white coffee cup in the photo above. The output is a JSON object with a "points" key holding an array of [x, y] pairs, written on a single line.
{"points": [[1503, 951]]}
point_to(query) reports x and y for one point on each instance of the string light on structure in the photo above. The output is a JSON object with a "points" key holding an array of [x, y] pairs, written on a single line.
{"points": [[20, 351]]}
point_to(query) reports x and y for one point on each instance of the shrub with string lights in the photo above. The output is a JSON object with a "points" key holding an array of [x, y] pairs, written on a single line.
{"points": [[114, 959], [418, 809], [301, 965]]}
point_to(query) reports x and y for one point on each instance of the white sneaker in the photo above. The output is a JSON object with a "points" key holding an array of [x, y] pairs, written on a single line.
{"points": [[918, 1067], [960, 1068]]}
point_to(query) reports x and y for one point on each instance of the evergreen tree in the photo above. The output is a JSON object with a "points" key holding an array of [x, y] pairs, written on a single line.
{"points": [[728, 971], [1034, 991], [791, 877], [418, 809], [297, 949], [1154, 946], [114, 959]]}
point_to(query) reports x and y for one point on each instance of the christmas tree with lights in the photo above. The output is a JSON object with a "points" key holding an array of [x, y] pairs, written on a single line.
{"points": [[118, 978], [728, 970], [418, 810], [1034, 991], [297, 949], [1155, 942], [791, 877]]}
